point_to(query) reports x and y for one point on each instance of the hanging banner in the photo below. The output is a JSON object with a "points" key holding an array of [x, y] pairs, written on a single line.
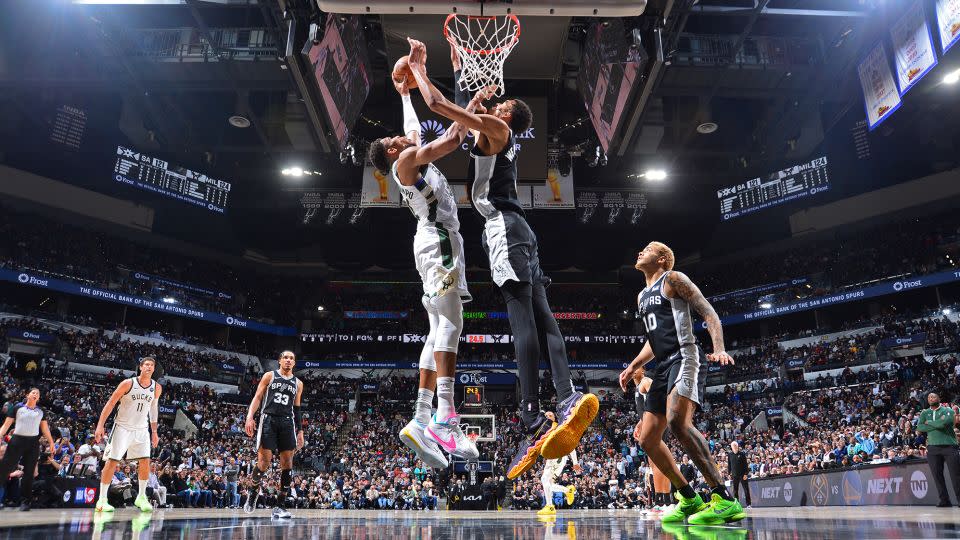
{"points": [[461, 194], [610, 208], [526, 198], [378, 189], [880, 93], [948, 20], [913, 47], [557, 191]]}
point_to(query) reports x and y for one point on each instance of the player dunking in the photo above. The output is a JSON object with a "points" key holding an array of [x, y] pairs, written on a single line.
{"points": [[511, 247], [552, 469], [134, 431], [678, 383], [438, 253], [278, 398]]}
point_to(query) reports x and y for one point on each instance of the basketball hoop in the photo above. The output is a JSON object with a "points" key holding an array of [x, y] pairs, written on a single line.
{"points": [[483, 44], [473, 437]]}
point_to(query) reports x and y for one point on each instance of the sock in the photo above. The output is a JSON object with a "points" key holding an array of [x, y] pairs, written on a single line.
{"points": [[424, 406], [687, 491], [285, 476], [142, 488], [103, 492], [257, 479], [721, 490], [444, 397]]}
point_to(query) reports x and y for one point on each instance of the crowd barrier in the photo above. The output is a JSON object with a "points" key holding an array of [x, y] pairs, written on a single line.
{"points": [[909, 483]]}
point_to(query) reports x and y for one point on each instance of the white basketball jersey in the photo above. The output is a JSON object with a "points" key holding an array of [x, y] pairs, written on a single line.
{"points": [[431, 200], [134, 409]]}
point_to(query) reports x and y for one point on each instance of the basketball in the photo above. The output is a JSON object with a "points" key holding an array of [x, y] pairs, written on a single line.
{"points": [[402, 69]]}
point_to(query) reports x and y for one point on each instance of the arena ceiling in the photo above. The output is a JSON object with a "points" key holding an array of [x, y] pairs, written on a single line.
{"points": [[777, 77]]}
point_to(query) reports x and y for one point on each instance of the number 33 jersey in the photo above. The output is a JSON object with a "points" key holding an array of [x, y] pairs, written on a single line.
{"points": [[280, 395]]}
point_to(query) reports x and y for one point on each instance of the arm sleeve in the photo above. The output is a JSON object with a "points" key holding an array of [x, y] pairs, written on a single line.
{"points": [[460, 97], [410, 121], [154, 412], [573, 457]]}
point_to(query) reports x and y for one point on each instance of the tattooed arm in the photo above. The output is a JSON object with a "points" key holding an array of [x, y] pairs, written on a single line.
{"points": [[680, 286]]}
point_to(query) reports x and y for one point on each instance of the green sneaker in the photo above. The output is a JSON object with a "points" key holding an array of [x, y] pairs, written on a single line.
{"points": [[687, 507], [718, 511], [143, 504], [140, 522], [104, 506]]}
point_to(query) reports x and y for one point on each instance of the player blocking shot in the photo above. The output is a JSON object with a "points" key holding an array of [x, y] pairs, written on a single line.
{"points": [[134, 431], [512, 250], [278, 400], [438, 254], [678, 383]]}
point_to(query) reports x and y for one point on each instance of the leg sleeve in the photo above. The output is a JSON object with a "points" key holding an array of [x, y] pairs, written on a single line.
{"points": [[519, 298], [551, 340], [427, 360], [449, 312]]}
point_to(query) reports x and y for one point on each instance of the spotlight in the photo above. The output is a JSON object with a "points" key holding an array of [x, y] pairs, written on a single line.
{"points": [[285, 172], [169, 300], [952, 78], [296, 171], [766, 305], [947, 311], [320, 308], [655, 175]]}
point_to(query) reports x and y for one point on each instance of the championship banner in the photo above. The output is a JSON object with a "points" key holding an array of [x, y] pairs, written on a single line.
{"points": [[378, 189], [913, 47], [610, 208], [948, 20], [557, 191], [880, 94]]}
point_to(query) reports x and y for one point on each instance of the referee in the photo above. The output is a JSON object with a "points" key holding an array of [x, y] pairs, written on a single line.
{"points": [[937, 422], [27, 421]]}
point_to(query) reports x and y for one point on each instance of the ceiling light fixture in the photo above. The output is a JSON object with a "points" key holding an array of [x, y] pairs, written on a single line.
{"points": [[707, 128], [766, 305], [239, 121], [952, 78], [655, 175]]}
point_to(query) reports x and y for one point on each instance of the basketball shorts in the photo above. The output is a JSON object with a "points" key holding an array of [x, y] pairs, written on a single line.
{"points": [[277, 433], [512, 250], [437, 251], [685, 371], [125, 443]]}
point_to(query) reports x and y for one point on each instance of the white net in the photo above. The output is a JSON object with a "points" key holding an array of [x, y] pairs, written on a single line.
{"points": [[483, 44]]}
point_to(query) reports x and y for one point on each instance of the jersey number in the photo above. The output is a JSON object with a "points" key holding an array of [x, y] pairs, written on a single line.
{"points": [[650, 321], [140, 407], [282, 399]]}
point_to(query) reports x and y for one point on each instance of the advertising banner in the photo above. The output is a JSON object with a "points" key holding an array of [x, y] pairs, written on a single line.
{"points": [[948, 21], [376, 314], [795, 363], [143, 276], [18, 334], [36, 280], [905, 341], [469, 338], [913, 47], [378, 189], [410, 364], [488, 379], [556, 192], [231, 368], [880, 93], [894, 484]]}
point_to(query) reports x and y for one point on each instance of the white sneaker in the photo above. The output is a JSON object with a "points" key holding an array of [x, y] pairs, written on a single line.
{"points": [[413, 437], [281, 513], [451, 438]]}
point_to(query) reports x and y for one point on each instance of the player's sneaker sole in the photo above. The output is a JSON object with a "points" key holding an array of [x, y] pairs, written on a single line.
{"points": [[430, 457], [718, 512], [529, 451], [566, 437]]}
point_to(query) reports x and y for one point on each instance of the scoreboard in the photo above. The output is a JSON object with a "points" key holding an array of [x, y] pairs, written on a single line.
{"points": [[153, 174], [473, 396], [779, 187]]}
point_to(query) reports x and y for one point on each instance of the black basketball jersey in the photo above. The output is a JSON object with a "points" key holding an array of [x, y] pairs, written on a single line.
{"points": [[280, 396], [667, 323], [493, 180]]}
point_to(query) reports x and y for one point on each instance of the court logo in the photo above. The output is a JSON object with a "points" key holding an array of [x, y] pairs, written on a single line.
{"points": [[66, 496], [918, 484], [787, 492], [431, 129], [852, 489], [820, 490]]}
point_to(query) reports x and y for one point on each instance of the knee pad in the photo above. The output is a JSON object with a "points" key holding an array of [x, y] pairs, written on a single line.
{"points": [[449, 309]]}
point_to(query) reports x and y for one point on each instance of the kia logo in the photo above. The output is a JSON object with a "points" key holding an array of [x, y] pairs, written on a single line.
{"points": [[472, 498]]}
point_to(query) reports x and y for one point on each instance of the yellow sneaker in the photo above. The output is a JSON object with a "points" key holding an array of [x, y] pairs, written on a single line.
{"points": [[548, 510], [571, 493]]}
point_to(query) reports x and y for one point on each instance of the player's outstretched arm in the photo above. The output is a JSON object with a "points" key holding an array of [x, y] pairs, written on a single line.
{"points": [[255, 402], [155, 417], [682, 287], [495, 129], [645, 356], [452, 138], [122, 389]]}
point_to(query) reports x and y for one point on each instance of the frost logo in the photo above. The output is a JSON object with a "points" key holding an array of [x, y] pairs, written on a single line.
{"points": [[23, 278], [898, 286], [464, 378], [229, 320], [431, 129], [918, 484], [787, 491]]}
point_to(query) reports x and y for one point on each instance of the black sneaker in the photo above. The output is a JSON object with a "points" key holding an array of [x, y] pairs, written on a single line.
{"points": [[25, 507], [528, 451]]}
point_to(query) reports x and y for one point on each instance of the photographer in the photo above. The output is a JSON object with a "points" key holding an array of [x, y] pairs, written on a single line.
{"points": [[48, 494]]}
